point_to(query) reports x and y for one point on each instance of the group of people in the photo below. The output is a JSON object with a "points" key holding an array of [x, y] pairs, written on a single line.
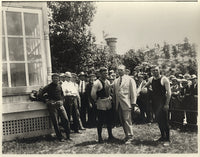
{"points": [[183, 102], [184, 98], [106, 98]]}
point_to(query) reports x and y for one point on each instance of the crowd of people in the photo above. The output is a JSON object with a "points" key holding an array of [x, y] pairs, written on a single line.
{"points": [[115, 98]]}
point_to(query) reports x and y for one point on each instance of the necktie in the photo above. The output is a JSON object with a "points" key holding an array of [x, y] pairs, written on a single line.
{"points": [[120, 80], [81, 86]]}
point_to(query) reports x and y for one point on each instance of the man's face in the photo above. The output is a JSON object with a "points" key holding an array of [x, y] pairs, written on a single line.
{"points": [[155, 71], [73, 79], [104, 74], [194, 81], [184, 84], [68, 78], [82, 78], [121, 72], [92, 79], [62, 78], [55, 79]]}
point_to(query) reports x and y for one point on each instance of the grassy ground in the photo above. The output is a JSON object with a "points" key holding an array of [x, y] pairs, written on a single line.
{"points": [[86, 143]]}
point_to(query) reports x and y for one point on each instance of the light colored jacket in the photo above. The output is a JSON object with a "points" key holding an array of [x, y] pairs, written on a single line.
{"points": [[126, 93]]}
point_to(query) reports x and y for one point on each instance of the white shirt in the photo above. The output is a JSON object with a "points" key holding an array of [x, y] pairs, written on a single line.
{"points": [[69, 88], [81, 87]]}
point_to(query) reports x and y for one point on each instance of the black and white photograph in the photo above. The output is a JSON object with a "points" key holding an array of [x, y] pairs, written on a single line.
{"points": [[100, 77]]}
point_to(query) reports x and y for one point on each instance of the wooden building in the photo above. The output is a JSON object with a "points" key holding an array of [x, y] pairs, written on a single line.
{"points": [[26, 65]]}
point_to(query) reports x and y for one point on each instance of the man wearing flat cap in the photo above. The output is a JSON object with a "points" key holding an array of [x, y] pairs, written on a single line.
{"points": [[101, 95], [55, 106]]}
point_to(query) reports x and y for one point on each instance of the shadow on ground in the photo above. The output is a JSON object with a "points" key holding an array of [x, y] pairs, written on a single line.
{"points": [[115, 141], [145, 142]]}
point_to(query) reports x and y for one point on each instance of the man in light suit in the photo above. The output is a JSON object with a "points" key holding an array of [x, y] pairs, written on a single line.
{"points": [[124, 97]]}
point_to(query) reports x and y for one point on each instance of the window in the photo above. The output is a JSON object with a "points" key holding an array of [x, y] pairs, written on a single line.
{"points": [[22, 47]]}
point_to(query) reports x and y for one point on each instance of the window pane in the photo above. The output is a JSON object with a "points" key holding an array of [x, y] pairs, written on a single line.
{"points": [[16, 50], [31, 24], [18, 77], [33, 49], [2, 23], [3, 50], [14, 23], [4, 75], [35, 73]]}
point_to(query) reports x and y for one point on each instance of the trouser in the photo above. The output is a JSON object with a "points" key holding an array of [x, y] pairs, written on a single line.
{"points": [[175, 103], [191, 115], [71, 107], [162, 118], [56, 109], [149, 110], [83, 108], [104, 117], [92, 116], [126, 121], [141, 105]]}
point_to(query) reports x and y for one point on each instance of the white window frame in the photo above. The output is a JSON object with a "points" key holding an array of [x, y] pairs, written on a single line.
{"points": [[23, 36]]}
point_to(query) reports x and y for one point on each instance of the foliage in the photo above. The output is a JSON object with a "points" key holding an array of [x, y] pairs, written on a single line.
{"points": [[70, 37], [99, 56], [177, 58], [73, 45], [131, 59]]}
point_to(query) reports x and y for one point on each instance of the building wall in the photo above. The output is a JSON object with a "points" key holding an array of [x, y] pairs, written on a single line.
{"points": [[21, 117]]}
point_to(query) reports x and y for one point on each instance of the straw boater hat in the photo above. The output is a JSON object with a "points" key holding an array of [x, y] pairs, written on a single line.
{"points": [[62, 75], [184, 81], [193, 77], [55, 74], [68, 74], [180, 75], [186, 76], [82, 74], [171, 77], [91, 75]]}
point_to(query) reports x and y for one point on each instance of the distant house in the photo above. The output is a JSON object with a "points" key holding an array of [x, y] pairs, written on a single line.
{"points": [[26, 65]]}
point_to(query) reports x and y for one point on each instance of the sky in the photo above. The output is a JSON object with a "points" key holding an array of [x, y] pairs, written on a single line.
{"points": [[139, 24]]}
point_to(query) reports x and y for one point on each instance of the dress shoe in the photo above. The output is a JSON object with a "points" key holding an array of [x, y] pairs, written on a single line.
{"points": [[111, 138], [62, 140], [100, 140], [161, 139], [82, 128], [128, 141], [68, 139], [78, 132]]}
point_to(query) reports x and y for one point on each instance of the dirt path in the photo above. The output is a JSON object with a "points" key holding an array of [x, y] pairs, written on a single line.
{"points": [[86, 143]]}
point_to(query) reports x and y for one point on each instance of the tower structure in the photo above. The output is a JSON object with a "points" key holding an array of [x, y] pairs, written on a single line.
{"points": [[111, 42]]}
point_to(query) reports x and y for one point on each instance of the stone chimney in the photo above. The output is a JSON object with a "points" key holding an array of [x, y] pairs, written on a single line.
{"points": [[111, 42]]}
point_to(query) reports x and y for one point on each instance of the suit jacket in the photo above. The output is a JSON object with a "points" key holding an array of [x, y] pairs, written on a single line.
{"points": [[126, 93]]}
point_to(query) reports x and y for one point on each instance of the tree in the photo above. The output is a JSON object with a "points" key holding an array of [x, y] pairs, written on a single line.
{"points": [[131, 60], [70, 37], [174, 51], [166, 50]]}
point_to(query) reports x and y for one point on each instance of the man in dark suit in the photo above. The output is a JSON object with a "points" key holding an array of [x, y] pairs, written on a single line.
{"points": [[83, 97], [91, 104], [192, 104]]}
